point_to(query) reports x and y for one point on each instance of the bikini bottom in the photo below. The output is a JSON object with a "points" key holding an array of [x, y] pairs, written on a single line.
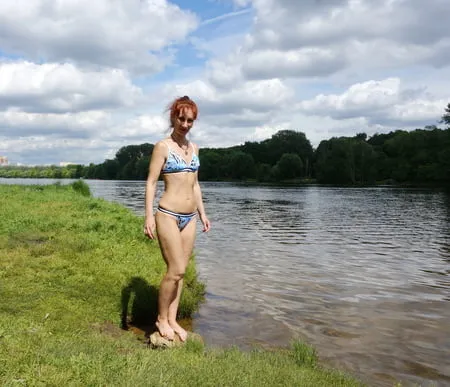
{"points": [[182, 219]]}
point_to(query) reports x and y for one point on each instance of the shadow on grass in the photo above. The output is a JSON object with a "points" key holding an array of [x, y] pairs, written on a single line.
{"points": [[139, 305]]}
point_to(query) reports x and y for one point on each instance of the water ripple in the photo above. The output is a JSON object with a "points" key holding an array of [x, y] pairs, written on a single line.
{"points": [[361, 273]]}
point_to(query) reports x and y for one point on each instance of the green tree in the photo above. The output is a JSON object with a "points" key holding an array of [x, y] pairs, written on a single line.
{"points": [[290, 166], [402, 170], [129, 161], [289, 141], [111, 169], [361, 136], [446, 117], [210, 161], [242, 165], [141, 168], [335, 161], [258, 150], [364, 160], [263, 173]]}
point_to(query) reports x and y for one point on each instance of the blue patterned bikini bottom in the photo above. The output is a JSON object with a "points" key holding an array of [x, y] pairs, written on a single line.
{"points": [[182, 219]]}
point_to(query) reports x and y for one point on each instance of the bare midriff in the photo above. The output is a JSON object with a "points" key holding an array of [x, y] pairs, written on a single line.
{"points": [[178, 193]]}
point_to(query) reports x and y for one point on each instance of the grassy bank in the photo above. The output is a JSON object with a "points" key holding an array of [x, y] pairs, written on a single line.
{"points": [[72, 270]]}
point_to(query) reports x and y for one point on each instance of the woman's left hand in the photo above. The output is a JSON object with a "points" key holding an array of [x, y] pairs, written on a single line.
{"points": [[206, 223]]}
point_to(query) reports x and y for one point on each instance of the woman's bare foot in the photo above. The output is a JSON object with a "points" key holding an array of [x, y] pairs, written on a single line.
{"points": [[179, 330], [165, 330]]}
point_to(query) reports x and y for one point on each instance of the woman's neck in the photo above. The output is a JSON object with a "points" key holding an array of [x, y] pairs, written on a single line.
{"points": [[179, 139]]}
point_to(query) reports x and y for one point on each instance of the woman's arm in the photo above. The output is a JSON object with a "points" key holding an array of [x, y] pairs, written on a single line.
{"points": [[200, 206], [156, 163]]}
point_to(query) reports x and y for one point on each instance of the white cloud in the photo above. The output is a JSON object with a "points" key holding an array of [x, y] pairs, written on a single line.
{"points": [[82, 137], [305, 62], [255, 95], [218, 48], [263, 132], [251, 96], [30, 150], [383, 102], [140, 129], [224, 74], [77, 78], [124, 33], [54, 88], [388, 54], [419, 112], [319, 38], [14, 124], [360, 99], [196, 90], [291, 24]]}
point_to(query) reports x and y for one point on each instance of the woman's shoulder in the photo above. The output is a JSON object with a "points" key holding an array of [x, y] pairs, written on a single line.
{"points": [[160, 147], [161, 144]]}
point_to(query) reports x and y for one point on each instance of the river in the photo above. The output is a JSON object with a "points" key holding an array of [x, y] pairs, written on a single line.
{"points": [[363, 274]]}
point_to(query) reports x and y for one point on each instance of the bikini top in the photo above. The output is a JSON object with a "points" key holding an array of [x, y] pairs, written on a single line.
{"points": [[175, 163]]}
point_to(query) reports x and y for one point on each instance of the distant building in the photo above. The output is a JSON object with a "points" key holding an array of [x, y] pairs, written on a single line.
{"points": [[65, 163], [3, 160]]}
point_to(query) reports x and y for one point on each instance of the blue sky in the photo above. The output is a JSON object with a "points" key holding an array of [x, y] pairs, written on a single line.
{"points": [[217, 20], [79, 80]]}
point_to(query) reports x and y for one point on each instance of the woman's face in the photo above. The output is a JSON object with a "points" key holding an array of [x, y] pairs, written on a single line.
{"points": [[183, 123]]}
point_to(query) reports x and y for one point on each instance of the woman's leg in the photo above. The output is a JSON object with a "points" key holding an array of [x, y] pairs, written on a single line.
{"points": [[170, 242], [187, 242]]}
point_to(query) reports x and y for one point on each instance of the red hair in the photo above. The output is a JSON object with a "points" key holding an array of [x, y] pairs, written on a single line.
{"points": [[181, 105]]}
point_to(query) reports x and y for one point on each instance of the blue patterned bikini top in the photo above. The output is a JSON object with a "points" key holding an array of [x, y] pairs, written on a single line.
{"points": [[175, 163]]}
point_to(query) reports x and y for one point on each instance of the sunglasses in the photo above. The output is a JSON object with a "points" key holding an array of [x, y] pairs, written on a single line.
{"points": [[184, 119]]}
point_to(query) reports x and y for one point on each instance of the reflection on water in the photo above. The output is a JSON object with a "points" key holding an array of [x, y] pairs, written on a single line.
{"points": [[361, 273]]}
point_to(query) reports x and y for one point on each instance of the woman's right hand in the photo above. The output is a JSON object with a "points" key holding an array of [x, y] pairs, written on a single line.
{"points": [[150, 226]]}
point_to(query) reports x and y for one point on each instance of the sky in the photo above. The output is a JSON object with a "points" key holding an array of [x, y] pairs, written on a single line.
{"points": [[79, 79]]}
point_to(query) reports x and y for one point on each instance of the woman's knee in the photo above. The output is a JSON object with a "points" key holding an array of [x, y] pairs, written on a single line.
{"points": [[175, 274]]}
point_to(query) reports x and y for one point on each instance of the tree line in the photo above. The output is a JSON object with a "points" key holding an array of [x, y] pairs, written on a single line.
{"points": [[419, 156]]}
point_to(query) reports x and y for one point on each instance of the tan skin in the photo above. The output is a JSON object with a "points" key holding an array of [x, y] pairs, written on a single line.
{"points": [[182, 194]]}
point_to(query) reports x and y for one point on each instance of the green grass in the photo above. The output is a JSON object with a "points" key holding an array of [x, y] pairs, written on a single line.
{"points": [[72, 269]]}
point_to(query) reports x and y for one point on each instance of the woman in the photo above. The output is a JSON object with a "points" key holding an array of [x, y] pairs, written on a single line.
{"points": [[176, 158]]}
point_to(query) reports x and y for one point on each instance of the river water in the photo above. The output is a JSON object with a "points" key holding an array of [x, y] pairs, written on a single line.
{"points": [[363, 274]]}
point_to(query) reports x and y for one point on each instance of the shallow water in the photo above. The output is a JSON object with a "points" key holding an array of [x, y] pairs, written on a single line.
{"points": [[363, 274]]}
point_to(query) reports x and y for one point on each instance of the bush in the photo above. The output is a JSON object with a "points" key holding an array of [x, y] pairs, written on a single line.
{"points": [[81, 187], [304, 354]]}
